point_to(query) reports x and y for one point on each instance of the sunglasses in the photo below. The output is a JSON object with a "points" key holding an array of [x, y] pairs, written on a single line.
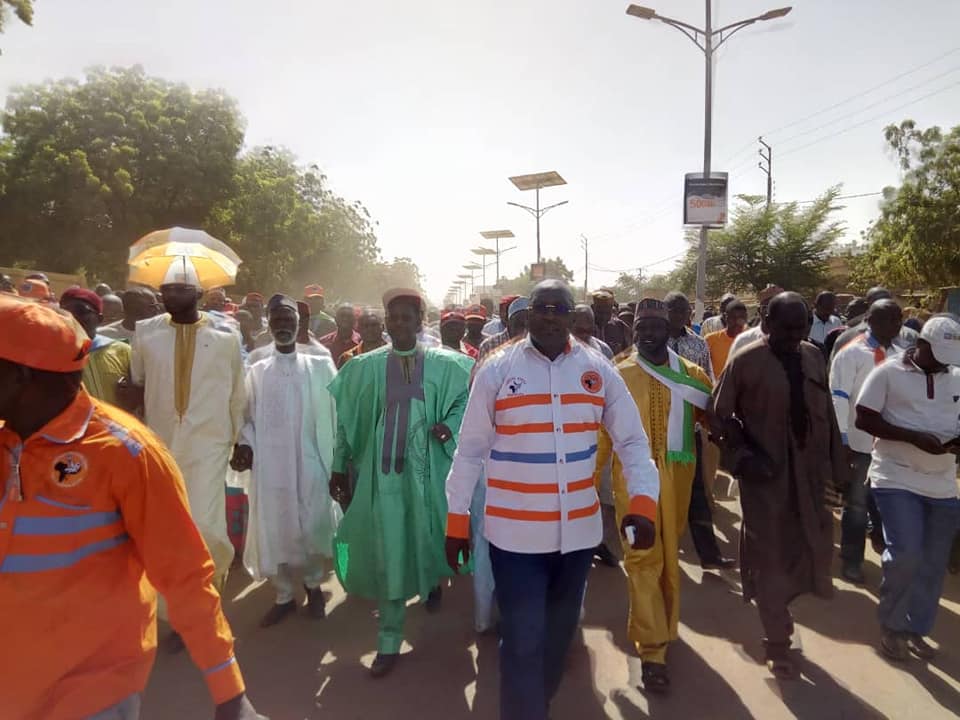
{"points": [[560, 309]]}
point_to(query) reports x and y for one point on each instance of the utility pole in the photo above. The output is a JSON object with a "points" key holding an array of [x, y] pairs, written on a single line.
{"points": [[585, 244], [768, 169]]}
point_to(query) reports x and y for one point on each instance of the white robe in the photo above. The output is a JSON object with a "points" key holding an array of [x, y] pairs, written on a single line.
{"points": [[202, 440], [311, 348], [291, 424]]}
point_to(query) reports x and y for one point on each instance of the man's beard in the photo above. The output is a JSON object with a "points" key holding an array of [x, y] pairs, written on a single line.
{"points": [[285, 338]]}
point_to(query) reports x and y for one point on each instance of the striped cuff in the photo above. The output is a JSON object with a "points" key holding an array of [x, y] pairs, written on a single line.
{"points": [[458, 526], [644, 506], [224, 681]]}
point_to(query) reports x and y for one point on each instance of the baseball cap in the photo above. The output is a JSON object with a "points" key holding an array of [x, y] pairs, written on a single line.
{"points": [[452, 316], [475, 312], [943, 334], [313, 291], [34, 289], [57, 342], [396, 293], [88, 296], [518, 305]]}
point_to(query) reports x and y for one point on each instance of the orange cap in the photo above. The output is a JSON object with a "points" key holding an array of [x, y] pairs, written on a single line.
{"points": [[34, 289], [313, 291], [54, 340]]}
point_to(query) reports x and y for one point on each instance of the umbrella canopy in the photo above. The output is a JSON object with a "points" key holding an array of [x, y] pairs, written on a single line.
{"points": [[151, 257]]}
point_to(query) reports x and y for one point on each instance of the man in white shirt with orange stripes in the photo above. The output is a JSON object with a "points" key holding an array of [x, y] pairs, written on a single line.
{"points": [[533, 416]]}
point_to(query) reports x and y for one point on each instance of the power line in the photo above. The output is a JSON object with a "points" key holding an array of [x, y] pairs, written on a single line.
{"points": [[749, 145], [869, 107], [866, 92], [883, 115]]}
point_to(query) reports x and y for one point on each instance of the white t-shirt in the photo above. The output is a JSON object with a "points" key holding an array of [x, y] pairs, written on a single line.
{"points": [[898, 390]]}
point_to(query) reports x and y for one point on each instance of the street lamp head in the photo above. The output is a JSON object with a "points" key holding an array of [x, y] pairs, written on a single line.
{"points": [[774, 14], [644, 13]]}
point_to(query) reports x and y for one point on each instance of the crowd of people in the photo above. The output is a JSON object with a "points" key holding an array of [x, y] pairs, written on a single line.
{"points": [[401, 447]]}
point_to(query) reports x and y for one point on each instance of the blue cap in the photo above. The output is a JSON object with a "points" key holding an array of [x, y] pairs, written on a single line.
{"points": [[518, 305]]}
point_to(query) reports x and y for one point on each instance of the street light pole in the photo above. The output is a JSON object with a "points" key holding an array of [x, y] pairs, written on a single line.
{"points": [[712, 40], [707, 148]]}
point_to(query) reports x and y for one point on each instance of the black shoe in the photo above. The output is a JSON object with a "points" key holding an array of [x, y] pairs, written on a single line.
{"points": [[852, 572], [434, 599], [654, 677], [277, 613], [894, 645], [606, 556], [383, 664], [174, 643], [316, 605], [920, 647], [720, 563]]}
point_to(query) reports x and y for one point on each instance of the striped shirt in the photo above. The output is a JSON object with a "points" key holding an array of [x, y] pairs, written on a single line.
{"points": [[534, 424]]}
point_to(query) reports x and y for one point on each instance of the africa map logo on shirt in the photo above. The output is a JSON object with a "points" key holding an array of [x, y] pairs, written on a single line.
{"points": [[69, 470], [591, 381], [514, 384]]}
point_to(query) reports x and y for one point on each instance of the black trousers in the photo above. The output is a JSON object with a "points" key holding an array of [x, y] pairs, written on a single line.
{"points": [[699, 517]]}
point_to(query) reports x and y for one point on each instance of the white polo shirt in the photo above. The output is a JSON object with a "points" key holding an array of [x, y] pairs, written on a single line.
{"points": [[850, 369], [907, 397]]}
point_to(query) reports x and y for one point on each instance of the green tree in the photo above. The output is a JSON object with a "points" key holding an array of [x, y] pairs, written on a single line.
{"points": [[88, 167], [628, 284], [522, 284], [291, 229], [916, 240], [23, 9], [787, 245]]}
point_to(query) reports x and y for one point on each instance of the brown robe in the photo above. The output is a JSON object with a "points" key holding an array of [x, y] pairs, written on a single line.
{"points": [[786, 540]]}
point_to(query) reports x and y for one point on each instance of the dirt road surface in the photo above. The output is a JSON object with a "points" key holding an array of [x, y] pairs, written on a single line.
{"points": [[312, 670]]}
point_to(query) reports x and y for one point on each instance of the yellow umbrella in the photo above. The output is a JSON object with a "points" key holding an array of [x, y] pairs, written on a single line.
{"points": [[162, 255]]}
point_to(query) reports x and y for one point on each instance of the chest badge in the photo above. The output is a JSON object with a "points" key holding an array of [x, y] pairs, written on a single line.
{"points": [[69, 470], [591, 381], [514, 384]]}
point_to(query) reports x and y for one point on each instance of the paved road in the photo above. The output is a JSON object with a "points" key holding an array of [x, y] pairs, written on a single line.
{"points": [[305, 669]]}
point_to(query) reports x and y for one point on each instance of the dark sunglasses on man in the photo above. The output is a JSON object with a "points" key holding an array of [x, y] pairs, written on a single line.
{"points": [[560, 309]]}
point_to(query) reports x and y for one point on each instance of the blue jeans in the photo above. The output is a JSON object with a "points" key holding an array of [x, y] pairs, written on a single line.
{"points": [[539, 596], [853, 521], [919, 532]]}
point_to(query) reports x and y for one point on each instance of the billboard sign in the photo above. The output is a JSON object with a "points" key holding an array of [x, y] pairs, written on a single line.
{"points": [[705, 199]]}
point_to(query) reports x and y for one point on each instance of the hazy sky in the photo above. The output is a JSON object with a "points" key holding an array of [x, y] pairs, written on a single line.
{"points": [[421, 109]]}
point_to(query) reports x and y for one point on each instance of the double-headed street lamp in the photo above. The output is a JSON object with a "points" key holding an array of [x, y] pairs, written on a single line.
{"points": [[473, 267], [708, 40], [536, 181]]}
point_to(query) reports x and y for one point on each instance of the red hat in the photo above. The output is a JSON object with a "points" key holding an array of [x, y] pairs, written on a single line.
{"points": [[313, 291], [57, 342], [451, 316], [507, 299], [253, 296], [83, 295], [476, 312]]}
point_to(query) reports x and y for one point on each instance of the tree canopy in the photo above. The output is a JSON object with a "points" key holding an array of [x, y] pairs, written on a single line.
{"points": [[916, 240], [783, 244], [87, 167], [23, 9]]}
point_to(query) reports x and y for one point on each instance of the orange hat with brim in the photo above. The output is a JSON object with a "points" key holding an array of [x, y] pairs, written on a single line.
{"points": [[49, 339], [311, 291]]}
